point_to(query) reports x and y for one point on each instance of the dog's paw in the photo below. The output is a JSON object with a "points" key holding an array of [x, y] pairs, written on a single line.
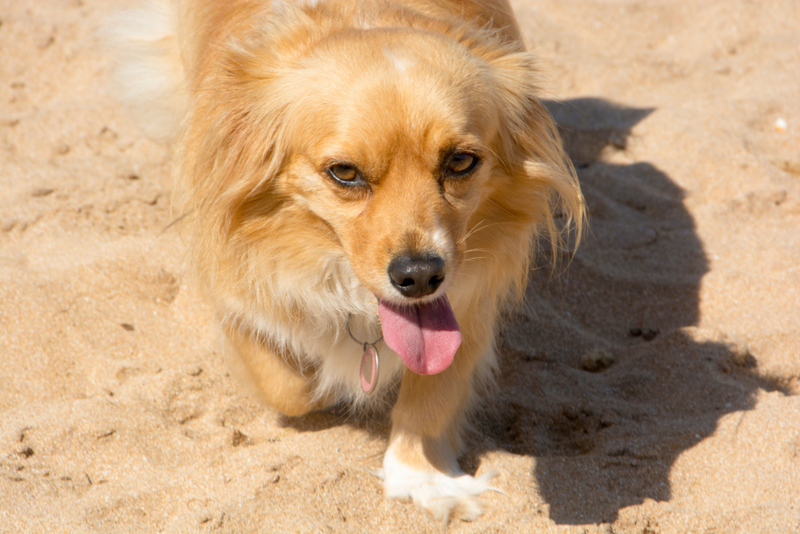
{"points": [[443, 496]]}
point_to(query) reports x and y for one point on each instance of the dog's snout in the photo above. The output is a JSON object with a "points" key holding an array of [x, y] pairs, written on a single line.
{"points": [[416, 277]]}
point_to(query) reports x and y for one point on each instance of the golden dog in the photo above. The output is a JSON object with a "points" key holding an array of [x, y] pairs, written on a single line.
{"points": [[362, 182]]}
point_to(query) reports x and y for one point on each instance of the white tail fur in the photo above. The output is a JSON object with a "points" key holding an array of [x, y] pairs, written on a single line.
{"points": [[149, 75]]}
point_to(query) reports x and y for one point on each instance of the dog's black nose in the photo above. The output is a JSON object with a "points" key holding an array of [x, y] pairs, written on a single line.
{"points": [[416, 276]]}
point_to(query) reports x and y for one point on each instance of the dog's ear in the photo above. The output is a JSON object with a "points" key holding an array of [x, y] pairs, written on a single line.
{"points": [[532, 152], [235, 135], [230, 152]]}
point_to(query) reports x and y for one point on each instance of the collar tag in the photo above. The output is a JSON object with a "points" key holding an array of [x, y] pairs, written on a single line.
{"points": [[370, 361], [370, 365]]}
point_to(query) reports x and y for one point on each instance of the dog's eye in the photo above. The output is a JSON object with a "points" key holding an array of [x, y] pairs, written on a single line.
{"points": [[344, 173], [461, 163]]}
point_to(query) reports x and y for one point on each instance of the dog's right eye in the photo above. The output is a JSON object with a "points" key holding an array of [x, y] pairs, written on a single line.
{"points": [[345, 174], [461, 164]]}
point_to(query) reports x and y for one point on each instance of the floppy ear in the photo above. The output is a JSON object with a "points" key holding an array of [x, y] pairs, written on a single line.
{"points": [[234, 143], [229, 153], [532, 152]]}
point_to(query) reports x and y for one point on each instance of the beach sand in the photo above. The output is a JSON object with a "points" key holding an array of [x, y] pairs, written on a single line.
{"points": [[650, 387]]}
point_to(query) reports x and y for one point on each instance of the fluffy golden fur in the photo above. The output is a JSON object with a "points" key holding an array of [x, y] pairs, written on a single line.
{"points": [[263, 99]]}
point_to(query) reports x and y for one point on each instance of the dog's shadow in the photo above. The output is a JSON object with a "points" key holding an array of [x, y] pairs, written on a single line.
{"points": [[604, 378]]}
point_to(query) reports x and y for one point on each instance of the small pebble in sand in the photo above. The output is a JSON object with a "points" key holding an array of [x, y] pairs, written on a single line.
{"points": [[649, 335], [42, 191], [533, 355], [740, 355], [239, 438], [780, 125], [596, 360], [788, 165]]}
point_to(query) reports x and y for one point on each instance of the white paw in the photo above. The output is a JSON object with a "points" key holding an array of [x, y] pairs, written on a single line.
{"points": [[444, 496]]}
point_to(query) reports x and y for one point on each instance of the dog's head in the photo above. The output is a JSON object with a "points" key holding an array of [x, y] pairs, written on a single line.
{"points": [[422, 157]]}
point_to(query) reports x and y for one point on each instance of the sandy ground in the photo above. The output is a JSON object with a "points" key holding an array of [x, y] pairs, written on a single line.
{"points": [[651, 388]]}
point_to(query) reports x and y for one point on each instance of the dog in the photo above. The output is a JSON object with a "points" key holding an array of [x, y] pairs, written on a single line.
{"points": [[362, 185]]}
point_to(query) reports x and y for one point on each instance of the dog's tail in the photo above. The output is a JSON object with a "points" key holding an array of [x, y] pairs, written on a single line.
{"points": [[150, 76]]}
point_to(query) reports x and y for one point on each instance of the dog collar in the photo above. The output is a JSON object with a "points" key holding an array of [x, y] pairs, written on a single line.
{"points": [[370, 361]]}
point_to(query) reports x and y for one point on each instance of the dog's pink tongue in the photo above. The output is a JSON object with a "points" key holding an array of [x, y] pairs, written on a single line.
{"points": [[425, 336]]}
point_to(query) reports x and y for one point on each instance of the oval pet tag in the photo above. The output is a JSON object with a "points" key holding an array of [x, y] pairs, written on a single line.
{"points": [[370, 363]]}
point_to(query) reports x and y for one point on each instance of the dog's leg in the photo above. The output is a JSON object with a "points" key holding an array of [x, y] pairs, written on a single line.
{"points": [[421, 462], [268, 376]]}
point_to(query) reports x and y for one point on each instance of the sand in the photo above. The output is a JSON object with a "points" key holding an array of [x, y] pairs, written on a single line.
{"points": [[651, 387]]}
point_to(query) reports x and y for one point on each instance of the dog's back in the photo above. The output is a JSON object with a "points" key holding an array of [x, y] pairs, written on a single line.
{"points": [[159, 47]]}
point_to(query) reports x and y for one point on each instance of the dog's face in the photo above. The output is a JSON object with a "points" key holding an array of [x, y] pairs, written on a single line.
{"points": [[392, 147], [403, 153]]}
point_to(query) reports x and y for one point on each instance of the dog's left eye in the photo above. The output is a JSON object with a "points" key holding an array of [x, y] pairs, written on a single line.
{"points": [[344, 173], [461, 164]]}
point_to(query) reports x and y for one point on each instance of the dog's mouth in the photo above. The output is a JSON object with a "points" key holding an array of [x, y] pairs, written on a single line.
{"points": [[426, 335]]}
